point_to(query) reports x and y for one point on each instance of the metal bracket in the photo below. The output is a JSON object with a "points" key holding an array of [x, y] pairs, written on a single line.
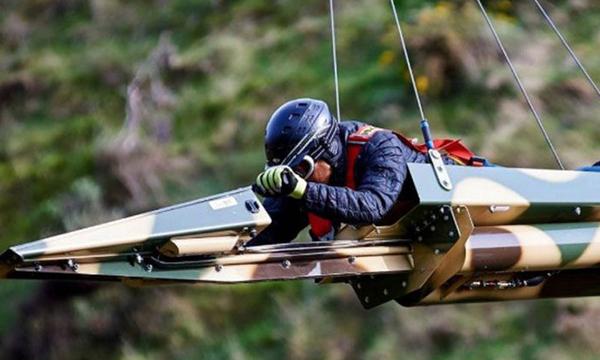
{"points": [[435, 232], [439, 169]]}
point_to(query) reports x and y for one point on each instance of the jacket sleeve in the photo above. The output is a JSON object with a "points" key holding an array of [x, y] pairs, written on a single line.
{"points": [[380, 169], [287, 221]]}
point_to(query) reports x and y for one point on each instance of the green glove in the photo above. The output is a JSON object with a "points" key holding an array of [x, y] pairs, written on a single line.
{"points": [[280, 181]]}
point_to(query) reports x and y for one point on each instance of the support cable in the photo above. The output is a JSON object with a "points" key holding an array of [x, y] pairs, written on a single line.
{"points": [[434, 157], [566, 45], [520, 84], [335, 68], [407, 59]]}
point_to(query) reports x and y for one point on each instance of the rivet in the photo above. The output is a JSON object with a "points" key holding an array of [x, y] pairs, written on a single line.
{"points": [[352, 259], [436, 251], [385, 292], [38, 267], [403, 284], [138, 258], [578, 211], [286, 264], [148, 267], [432, 228], [433, 217], [218, 267], [451, 233], [446, 217], [366, 299]]}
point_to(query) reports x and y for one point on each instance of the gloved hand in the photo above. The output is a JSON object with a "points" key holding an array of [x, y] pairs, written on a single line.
{"points": [[280, 181]]}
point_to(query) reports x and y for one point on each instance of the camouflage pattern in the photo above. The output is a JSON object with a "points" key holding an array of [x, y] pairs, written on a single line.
{"points": [[499, 234]]}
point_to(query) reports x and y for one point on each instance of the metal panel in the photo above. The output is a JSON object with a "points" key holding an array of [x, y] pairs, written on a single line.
{"points": [[228, 211], [497, 195]]}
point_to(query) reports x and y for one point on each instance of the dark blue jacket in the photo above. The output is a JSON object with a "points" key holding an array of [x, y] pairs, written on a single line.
{"points": [[380, 171]]}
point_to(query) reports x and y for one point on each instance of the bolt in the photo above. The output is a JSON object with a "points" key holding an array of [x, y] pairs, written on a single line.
{"points": [[139, 259], [148, 267], [352, 259], [286, 264], [366, 299], [451, 233], [38, 267], [578, 211], [218, 267], [253, 233], [403, 284], [446, 217], [439, 168], [436, 251], [385, 292], [420, 238], [358, 285], [417, 229], [442, 210], [445, 183], [433, 217], [72, 265], [372, 277], [432, 228]]}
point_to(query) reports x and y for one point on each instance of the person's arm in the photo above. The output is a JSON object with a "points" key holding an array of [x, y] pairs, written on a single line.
{"points": [[287, 221], [377, 189]]}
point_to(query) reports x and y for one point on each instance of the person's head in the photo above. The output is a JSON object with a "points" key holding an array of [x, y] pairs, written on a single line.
{"points": [[303, 134]]}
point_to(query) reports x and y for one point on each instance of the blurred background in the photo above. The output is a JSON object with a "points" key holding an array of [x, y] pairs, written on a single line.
{"points": [[109, 108]]}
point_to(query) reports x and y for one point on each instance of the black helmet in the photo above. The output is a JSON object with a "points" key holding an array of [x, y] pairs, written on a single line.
{"points": [[301, 129]]}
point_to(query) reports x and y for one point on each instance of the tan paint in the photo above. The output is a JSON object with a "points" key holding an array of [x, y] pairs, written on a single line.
{"points": [[199, 245], [481, 191], [591, 255]]}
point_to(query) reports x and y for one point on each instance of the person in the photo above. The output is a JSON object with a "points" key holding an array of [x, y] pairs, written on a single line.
{"points": [[324, 172]]}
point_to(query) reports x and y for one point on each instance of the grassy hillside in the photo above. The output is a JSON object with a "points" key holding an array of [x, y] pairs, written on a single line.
{"points": [[109, 108]]}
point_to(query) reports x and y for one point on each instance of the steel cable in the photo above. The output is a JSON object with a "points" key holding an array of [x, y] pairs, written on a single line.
{"points": [[520, 84], [566, 45], [407, 59], [335, 68]]}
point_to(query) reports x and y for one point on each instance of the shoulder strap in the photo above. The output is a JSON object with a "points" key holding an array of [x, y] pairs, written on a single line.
{"points": [[356, 140], [321, 228], [453, 148]]}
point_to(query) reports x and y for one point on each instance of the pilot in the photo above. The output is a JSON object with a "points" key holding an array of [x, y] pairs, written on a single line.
{"points": [[322, 172]]}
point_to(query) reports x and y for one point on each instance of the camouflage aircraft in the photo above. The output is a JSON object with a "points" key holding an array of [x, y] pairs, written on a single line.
{"points": [[499, 234], [460, 234]]}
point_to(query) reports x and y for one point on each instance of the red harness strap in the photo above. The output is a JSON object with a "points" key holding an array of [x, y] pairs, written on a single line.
{"points": [[320, 226], [452, 148]]}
